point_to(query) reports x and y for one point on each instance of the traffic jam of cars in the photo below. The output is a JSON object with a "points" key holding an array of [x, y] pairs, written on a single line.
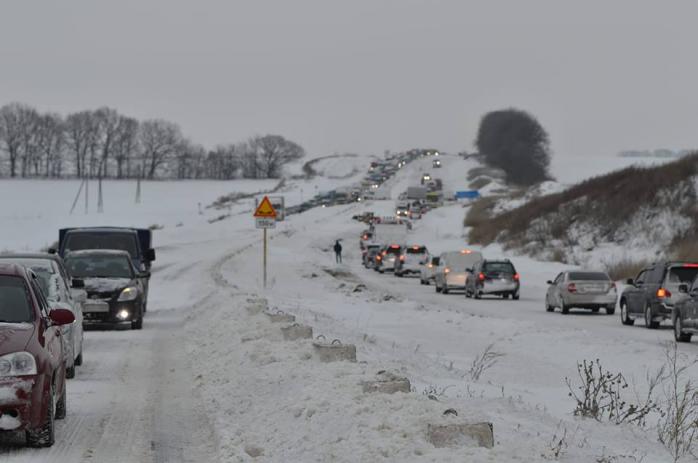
{"points": [[664, 291], [95, 278]]}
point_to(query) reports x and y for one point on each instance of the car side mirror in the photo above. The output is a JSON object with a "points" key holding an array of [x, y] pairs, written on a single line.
{"points": [[77, 283], [52, 251], [61, 316], [150, 255], [683, 288], [145, 274], [549, 282], [630, 282]]}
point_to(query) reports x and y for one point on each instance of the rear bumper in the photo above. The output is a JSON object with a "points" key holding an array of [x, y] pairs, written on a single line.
{"points": [[590, 301], [22, 402], [499, 287], [455, 281]]}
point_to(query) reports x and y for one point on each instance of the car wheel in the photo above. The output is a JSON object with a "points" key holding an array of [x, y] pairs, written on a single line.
{"points": [[44, 435], [468, 293], [398, 274], [515, 296], [505, 296], [548, 307], [444, 290], [436, 287], [78, 359], [564, 308], [137, 324], [611, 309], [70, 372], [679, 335], [595, 310], [624, 317], [649, 323], [477, 294], [381, 271], [61, 408]]}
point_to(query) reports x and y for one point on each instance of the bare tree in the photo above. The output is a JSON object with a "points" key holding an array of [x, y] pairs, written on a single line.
{"points": [[51, 140], [80, 137], [189, 157], [159, 141], [16, 120], [107, 130], [125, 146], [273, 152]]}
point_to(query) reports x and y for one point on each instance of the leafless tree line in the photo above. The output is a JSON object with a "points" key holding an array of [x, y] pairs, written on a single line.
{"points": [[103, 143]]}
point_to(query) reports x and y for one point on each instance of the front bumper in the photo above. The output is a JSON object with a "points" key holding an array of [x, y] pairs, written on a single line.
{"points": [[96, 314], [22, 402]]}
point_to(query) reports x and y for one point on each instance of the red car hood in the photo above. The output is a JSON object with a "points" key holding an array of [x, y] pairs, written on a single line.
{"points": [[14, 337]]}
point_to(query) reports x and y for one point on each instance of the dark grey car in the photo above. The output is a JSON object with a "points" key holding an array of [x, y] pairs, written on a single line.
{"points": [[652, 294]]}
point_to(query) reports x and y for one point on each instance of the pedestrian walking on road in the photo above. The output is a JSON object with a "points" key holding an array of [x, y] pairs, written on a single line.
{"points": [[338, 252]]}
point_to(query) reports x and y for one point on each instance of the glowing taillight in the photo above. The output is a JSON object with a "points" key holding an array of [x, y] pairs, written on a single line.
{"points": [[378, 257], [384, 252], [481, 276], [516, 277], [572, 288], [430, 265], [661, 292], [365, 237], [402, 258], [446, 270]]}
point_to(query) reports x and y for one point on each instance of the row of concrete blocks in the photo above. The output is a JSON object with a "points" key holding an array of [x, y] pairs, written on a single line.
{"points": [[451, 435]]}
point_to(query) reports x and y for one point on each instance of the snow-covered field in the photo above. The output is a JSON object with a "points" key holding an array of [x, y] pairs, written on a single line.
{"points": [[210, 379]]}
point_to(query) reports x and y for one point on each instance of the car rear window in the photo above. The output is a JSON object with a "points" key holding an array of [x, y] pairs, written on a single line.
{"points": [[682, 274], [589, 276], [393, 250], [501, 267], [119, 241], [14, 301], [416, 250]]}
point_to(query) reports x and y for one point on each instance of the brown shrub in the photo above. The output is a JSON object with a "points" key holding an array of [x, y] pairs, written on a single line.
{"points": [[479, 215], [625, 268], [608, 200], [685, 248]]}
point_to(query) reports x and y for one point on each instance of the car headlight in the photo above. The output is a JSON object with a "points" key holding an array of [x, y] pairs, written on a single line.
{"points": [[17, 364], [128, 294]]}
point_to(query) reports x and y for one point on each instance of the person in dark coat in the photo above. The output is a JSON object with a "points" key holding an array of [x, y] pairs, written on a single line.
{"points": [[338, 252]]}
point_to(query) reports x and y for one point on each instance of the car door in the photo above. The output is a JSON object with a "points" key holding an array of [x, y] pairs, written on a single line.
{"points": [[690, 313], [76, 308], [553, 295], [439, 273], [52, 334], [635, 295]]}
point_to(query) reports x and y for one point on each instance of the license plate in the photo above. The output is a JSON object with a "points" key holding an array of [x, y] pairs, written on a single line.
{"points": [[96, 307]]}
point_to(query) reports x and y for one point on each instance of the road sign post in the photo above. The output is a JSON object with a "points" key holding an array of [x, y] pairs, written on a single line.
{"points": [[265, 217]]}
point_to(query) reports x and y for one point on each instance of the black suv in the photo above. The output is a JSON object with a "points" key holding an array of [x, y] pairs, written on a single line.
{"points": [[653, 293], [685, 316]]}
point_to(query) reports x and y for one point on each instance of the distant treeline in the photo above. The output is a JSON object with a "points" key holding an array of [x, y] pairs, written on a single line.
{"points": [[103, 143]]}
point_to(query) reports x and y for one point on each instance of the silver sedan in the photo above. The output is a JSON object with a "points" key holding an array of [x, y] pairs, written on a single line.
{"points": [[583, 290]]}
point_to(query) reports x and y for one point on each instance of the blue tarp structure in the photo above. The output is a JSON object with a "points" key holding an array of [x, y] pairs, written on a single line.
{"points": [[467, 194]]}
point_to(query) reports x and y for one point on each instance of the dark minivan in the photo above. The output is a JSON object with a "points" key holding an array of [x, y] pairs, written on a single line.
{"points": [[654, 292]]}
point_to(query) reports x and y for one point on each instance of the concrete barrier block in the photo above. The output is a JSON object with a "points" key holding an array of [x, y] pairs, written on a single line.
{"points": [[387, 383], [281, 317], [461, 435], [296, 331], [334, 351]]}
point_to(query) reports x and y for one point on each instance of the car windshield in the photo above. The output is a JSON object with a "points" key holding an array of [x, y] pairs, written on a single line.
{"points": [[14, 301], [85, 240], [99, 266], [684, 274], [416, 250], [499, 267], [589, 276], [458, 261]]}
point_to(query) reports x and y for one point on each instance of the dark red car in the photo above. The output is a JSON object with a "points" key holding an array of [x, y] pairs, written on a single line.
{"points": [[32, 364]]}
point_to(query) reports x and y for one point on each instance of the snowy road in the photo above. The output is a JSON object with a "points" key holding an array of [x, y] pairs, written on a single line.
{"points": [[132, 401]]}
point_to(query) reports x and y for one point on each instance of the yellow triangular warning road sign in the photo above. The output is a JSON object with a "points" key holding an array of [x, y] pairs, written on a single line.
{"points": [[265, 209]]}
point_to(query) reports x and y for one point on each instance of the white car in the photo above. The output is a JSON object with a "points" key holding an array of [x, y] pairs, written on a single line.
{"points": [[411, 260], [56, 285], [581, 289], [452, 270], [428, 270]]}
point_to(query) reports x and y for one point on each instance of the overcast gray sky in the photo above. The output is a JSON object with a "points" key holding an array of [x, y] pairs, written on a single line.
{"points": [[365, 75]]}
